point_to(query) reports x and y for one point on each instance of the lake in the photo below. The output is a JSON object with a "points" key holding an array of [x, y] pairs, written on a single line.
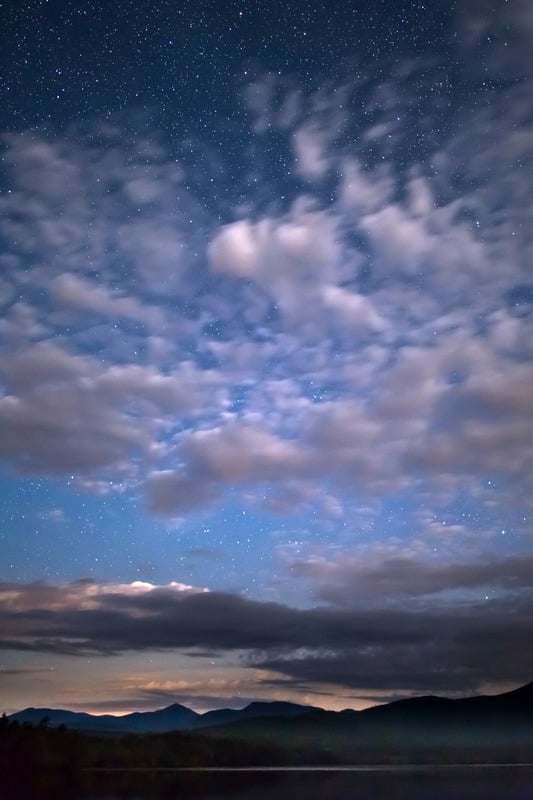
{"points": [[403, 783]]}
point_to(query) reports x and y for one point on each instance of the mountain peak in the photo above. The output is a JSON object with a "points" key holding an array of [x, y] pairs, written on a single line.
{"points": [[176, 707]]}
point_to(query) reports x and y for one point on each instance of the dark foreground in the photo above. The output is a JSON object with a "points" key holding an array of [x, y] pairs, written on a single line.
{"points": [[269, 759], [393, 783]]}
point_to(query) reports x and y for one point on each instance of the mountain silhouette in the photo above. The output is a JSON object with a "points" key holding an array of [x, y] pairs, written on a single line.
{"points": [[172, 718], [425, 718]]}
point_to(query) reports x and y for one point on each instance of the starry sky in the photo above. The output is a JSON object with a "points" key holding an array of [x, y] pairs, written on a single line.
{"points": [[266, 384]]}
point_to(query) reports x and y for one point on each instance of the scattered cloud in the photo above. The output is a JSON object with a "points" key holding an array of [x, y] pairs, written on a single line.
{"points": [[80, 294], [159, 372]]}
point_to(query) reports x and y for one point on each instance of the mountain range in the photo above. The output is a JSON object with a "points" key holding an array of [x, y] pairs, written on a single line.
{"points": [[490, 717], [172, 718]]}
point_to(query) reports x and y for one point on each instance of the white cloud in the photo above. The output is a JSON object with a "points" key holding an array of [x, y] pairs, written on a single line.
{"points": [[355, 310], [236, 249], [297, 260], [83, 594], [361, 191], [310, 151], [81, 294]]}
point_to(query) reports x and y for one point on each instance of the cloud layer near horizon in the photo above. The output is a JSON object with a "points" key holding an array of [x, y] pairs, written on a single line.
{"points": [[447, 647]]}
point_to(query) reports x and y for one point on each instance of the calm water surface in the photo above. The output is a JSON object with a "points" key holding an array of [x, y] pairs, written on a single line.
{"points": [[406, 783]]}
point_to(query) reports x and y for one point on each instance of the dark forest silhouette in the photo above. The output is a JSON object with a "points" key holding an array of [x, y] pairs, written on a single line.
{"points": [[423, 730]]}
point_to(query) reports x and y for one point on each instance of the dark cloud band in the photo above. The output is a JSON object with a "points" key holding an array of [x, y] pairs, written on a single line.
{"points": [[453, 648]]}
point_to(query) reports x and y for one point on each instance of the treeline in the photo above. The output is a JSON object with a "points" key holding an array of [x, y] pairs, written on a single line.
{"points": [[169, 750], [40, 748], [26, 748]]}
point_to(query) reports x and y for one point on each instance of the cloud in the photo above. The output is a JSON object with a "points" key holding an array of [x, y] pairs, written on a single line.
{"points": [[455, 648], [158, 251], [334, 337], [83, 594], [364, 192], [356, 580], [76, 208], [354, 310], [311, 158], [79, 293], [272, 102], [67, 412], [6, 292], [298, 260], [429, 246], [54, 423], [301, 245], [447, 410], [216, 459], [193, 694], [15, 672]]}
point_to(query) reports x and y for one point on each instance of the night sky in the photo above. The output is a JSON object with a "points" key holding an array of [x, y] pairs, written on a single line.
{"points": [[266, 380]]}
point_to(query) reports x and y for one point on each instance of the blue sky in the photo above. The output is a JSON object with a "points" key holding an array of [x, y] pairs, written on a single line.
{"points": [[265, 352]]}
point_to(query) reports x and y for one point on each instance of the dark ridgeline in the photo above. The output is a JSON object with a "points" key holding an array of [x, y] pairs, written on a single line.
{"points": [[487, 729], [172, 718]]}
